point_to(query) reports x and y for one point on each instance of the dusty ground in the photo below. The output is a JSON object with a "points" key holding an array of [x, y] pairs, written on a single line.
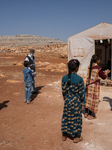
{"points": [[38, 126]]}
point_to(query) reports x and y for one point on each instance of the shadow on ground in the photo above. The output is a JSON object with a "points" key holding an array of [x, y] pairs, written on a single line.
{"points": [[107, 99], [2, 105], [37, 91]]}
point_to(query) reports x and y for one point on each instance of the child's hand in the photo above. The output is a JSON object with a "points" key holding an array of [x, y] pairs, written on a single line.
{"points": [[107, 71]]}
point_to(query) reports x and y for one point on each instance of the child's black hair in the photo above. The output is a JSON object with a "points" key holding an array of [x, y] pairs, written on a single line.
{"points": [[26, 63], [73, 64], [94, 59]]}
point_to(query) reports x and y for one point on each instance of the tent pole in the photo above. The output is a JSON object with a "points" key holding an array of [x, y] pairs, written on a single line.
{"points": [[111, 59]]}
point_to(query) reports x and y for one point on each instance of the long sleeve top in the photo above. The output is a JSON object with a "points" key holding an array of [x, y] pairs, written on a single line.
{"points": [[27, 75], [75, 90]]}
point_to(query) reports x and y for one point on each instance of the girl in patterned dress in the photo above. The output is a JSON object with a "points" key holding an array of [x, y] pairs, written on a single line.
{"points": [[74, 100], [93, 87]]}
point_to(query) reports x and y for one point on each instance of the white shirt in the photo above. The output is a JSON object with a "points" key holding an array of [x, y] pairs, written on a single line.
{"points": [[26, 59]]}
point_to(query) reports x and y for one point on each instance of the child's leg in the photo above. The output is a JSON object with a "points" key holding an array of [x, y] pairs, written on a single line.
{"points": [[33, 84], [86, 112], [90, 116], [94, 115], [64, 136], [29, 92], [26, 93], [90, 113]]}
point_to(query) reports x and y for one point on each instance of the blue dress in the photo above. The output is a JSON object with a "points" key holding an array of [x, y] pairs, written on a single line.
{"points": [[74, 98]]}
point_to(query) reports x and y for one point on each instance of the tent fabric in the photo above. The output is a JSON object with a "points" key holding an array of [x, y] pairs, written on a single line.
{"points": [[82, 45]]}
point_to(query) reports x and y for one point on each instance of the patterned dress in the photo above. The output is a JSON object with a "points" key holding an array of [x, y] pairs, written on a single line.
{"points": [[93, 88], [74, 98]]}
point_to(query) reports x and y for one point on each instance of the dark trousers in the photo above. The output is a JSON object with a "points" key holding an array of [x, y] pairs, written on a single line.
{"points": [[89, 112], [65, 134]]}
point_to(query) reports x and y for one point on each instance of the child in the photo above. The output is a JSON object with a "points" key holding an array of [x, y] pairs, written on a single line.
{"points": [[93, 87], [74, 100], [28, 81]]}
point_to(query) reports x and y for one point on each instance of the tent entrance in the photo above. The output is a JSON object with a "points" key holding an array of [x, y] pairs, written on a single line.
{"points": [[103, 48]]}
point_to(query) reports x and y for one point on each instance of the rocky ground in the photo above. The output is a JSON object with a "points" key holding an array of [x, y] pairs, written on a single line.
{"points": [[20, 45], [38, 126], [28, 40]]}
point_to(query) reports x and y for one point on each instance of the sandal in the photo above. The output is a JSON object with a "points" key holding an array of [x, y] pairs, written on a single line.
{"points": [[64, 138], [77, 139], [86, 115], [90, 117]]}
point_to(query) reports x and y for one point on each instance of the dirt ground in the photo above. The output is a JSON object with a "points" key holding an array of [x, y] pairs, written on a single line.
{"points": [[37, 126]]}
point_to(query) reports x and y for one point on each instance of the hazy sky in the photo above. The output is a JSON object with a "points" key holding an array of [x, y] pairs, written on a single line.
{"points": [[52, 18]]}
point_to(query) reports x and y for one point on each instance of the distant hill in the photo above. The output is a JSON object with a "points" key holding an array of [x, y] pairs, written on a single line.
{"points": [[28, 40]]}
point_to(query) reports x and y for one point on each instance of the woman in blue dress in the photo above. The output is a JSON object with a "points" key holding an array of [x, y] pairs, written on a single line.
{"points": [[74, 100]]}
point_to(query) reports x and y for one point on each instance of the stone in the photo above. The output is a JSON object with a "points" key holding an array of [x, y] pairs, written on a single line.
{"points": [[13, 81], [15, 63], [63, 55], [1, 75], [19, 64]]}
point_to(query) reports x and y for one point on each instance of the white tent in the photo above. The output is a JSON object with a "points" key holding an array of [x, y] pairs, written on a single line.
{"points": [[82, 45]]}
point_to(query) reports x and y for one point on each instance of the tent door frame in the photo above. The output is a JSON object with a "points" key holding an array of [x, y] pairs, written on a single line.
{"points": [[111, 56], [111, 59]]}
